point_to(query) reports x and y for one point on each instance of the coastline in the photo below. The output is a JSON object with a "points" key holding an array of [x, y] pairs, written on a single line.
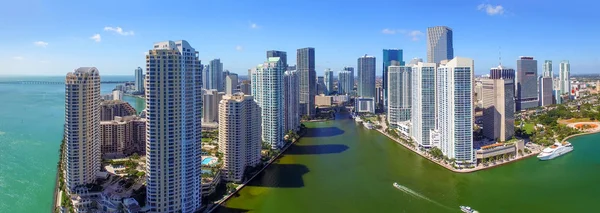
{"points": [[580, 134]]}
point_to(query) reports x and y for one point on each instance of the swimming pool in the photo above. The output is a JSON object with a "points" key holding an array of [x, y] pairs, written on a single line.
{"points": [[206, 161]]}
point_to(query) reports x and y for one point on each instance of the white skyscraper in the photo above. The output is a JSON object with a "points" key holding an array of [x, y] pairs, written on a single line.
{"points": [[439, 44], [82, 127], [139, 80], [455, 109], [231, 83], [329, 80], [267, 89], [423, 103], [239, 135], [173, 136], [399, 94], [565, 77], [291, 97], [547, 67], [345, 82]]}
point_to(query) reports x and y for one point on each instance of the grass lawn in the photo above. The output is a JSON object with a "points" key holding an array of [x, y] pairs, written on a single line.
{"points": [[372, 119], [528, 127], [574, 120], [206, 139]]}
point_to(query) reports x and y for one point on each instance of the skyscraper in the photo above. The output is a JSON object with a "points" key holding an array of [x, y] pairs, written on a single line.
{"points": [[565, 77], [82, 127], [173, 136], [239, 135], [139, 80], [345, 83], [216, 75], [455, 109], [210, 105], [206, 77], [366, 76], [423, 113], [439, 44], [291, 97], [329, 81], [305, 59], [245, 87], [281, 54], [502, 72], [268, 93], [547, 67], [390, 55], [498, 109], [399, 94], [231, 83], [321, 88], [527, 96], [545, 91]]}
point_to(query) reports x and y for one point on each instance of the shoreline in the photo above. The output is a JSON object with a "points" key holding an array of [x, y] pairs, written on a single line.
{"points": [[580, 134]]}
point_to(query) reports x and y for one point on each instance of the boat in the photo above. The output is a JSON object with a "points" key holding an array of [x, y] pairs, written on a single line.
{"points": [[357, 119], [368, 125], [398, 186], [468, 209], [555, 150]]}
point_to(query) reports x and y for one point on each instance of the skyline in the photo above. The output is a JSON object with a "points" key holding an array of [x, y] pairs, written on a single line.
{"points": [[53, 42]]}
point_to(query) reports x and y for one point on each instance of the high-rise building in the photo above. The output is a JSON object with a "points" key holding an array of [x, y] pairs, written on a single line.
{"points": [[498, 109], [547, 67], [245, 87], [366, 76], [399, 94], [379, 96], [545, 91], [239, 135], [210, 105], [390, 55], [139, 80], [206, 77], [502, 72], [267, 83], [329, 81], [305, 59], [123, 136], [110, 109], [526, 94], [216, 75], [291, 97], [82, 127], [439, 44], [345, 82], [423, 110], [281, 54], [565, 77], [173, 136], [321, 88], [231, 83], [455, 109]]}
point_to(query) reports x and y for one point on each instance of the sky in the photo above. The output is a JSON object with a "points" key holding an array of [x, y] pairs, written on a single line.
{"points": [[55, 37]]}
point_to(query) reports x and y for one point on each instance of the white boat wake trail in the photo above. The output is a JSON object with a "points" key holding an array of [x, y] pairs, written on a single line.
{"points": [[416, 194]]}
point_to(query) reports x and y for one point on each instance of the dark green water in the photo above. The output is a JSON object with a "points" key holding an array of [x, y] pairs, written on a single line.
{"points": [[342, 167]]}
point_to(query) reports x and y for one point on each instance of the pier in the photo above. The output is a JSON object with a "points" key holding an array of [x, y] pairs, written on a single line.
{"points": [[58, 82]]}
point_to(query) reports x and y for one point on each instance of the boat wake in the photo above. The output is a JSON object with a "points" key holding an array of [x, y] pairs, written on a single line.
{"points": [[416, 194]]}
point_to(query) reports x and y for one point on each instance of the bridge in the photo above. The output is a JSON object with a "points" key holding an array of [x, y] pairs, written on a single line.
{"points": [[58, 82]]}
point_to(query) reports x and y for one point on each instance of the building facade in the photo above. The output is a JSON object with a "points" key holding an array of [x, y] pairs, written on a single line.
{"points": [[565, 77], [526, 93], [210, 109], [439, 44], [239, 135], [545, 91], [329, 81], [267, 87], [139, 80], [291, 97], [423, 113], [502, 72], [455, 109], [390, 55], [345, 82], [216, 75], [547, 67], [399, 94], [173, 133], [281, 54], [305, 64], [123, 136], [366, 76], [498, 109], [231, 83], [111, 108], [245, 87], [364, 105], [82, 155]]}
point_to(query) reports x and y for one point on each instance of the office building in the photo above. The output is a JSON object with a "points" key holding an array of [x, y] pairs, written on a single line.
{"points": [[439, 44], [498, 109], [364, 105], [245, 87], [117, 95], [305, 59], [291, 98], [345, 84], [547, 67], [455, 109], [206, 76], [399, 94], [323, 100], [321, 88], [239, 135], [210, 105], [82, 127], [216, 75], [502, 72], [281, 54], [366, 76], [390, 55], [231, 83], [545, 91], [267, 83], [110, 109], [122, 136], [139, 80], [379, 96], [526, 94], [173, 132], [423, 110], [565, 78], [329, 81]]}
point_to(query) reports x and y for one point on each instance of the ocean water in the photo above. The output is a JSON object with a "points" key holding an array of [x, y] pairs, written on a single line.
{"points": [[31, 128]]}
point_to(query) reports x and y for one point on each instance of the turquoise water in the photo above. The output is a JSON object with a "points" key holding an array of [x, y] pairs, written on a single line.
{"points": [[31, 119], [207, 160]]}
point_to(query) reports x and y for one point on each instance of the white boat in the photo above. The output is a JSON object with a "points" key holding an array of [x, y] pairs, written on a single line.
{"points": [[468, 209], [368, 125], [555, 150], [357, 119]]}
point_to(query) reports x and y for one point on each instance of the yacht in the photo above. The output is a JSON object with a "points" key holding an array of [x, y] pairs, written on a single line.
{"points": [[555, 150], [468, 209]]}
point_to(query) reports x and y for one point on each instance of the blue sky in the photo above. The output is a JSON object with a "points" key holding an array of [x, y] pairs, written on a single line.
{"points": [[54, 37]]}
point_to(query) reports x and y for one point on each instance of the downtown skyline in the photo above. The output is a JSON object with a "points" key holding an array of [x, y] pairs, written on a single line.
{"points": [[41, 47]]}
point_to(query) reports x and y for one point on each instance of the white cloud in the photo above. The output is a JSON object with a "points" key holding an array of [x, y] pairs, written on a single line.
{"points": [[96, 37], [388, 31], [18, 58], [40, 43], [491, 9], [119, 31], [239, 48], [254, 25], [413, 34]]}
